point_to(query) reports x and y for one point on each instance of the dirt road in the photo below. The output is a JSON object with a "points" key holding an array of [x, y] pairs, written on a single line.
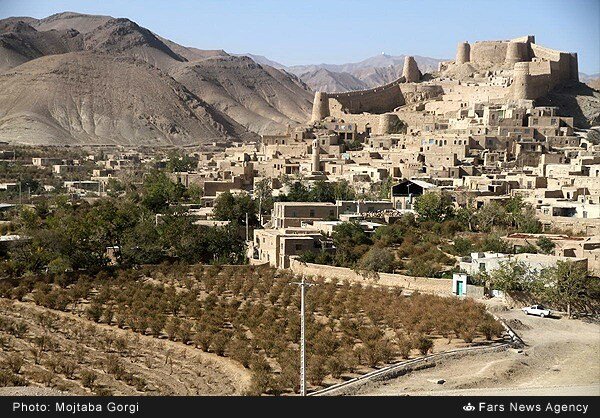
{"points": [[562, 357]]}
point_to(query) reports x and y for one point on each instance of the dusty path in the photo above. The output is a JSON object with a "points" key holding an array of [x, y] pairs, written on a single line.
{"points": [[562, 357]]}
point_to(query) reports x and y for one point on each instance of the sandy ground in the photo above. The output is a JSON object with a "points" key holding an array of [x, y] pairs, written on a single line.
{"points": [[562, 357]]}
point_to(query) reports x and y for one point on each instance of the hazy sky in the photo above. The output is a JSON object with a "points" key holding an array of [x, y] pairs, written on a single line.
{"points": [[339, 31]]}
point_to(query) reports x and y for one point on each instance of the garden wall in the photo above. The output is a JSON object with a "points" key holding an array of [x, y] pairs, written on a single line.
{"points": [[422, 284]]}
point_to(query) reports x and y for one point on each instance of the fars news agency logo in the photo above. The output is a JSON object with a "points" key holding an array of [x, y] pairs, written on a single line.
{"points": [[468, 407]]}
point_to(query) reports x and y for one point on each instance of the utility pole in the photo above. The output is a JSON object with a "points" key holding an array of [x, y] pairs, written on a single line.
{"points": [[302, 285], [260, 210]]}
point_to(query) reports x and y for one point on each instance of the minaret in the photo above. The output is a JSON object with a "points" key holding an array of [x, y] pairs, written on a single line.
{"points": [[316, 161]]}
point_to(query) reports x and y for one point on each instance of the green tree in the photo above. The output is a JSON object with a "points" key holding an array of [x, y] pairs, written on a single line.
{"points": [[321, 191], [462, 246], [158, 192], [298, 193], [386, 188], [545, 245], [377, 260], [515, 276], [179, 163], [567, 284], [351, 243], [435, 207], [342, 190], [232, 208], [490, 216], [263, 193]]}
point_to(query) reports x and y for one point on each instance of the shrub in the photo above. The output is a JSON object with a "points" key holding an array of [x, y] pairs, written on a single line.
{"points": [[88, 378], [261, 376], [316, 372], [94, 312], [405, 346], [240, 351], [423, 344], [336, 366], [219, 343], [14, 362], [378, 260]]}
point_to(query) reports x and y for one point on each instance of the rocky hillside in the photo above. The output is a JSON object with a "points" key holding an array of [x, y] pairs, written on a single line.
{"points": [[64, 72], [85, 97]]}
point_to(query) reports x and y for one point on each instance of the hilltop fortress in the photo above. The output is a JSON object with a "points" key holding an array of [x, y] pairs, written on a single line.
{"points": [[487, 71]]}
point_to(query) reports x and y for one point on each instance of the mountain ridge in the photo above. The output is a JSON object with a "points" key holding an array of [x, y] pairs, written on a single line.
{"points": [[238, 112]]}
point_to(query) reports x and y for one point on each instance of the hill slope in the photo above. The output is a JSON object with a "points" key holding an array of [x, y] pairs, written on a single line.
{"points": [[241, 98], [85, 97], [262, 99]]}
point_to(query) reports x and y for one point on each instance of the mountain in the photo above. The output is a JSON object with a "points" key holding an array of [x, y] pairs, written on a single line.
{"points": [[95, 98], [322, 79], [262, 60], [584, 78], [592, 80], [208, 94], [260, 98], [368, 73]]}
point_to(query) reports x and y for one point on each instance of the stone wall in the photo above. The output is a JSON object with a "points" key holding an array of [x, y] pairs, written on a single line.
{"points": [[421, 284]]}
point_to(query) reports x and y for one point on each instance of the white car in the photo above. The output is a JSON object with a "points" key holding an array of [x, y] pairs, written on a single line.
{"points": [[538, 310]]}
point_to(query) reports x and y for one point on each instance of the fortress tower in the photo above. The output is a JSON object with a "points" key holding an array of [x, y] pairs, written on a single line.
{"points": [[320, 108], [463, 53], [516, 52], [522, 84], [411, 72], [316, 161], [386, 123]]}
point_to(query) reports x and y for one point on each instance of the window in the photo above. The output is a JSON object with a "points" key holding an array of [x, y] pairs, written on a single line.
{"points": [[298, 247], [312, 213]]}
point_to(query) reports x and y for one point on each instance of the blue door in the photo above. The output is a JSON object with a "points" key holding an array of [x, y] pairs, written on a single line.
{"points": [[459, 288]]}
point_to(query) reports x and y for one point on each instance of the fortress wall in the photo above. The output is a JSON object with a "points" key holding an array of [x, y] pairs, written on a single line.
{"points": [[377, 100], [415, 93], [525, 39], [566, 67], [493, 52], [467, 93]]}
